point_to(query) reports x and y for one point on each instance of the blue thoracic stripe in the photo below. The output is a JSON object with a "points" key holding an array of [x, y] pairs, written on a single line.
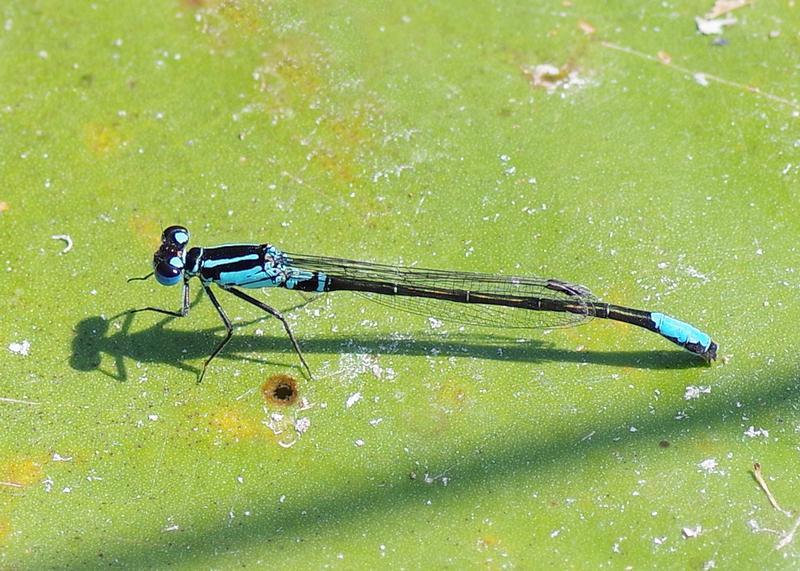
{"points": [[243, 277], [225, 261], [244, 265]]}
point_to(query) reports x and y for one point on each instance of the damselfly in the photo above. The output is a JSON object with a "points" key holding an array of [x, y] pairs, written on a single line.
{"points": [[461, 297]]}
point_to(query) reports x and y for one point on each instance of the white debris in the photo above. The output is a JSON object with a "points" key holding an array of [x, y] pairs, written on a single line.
{"points": [[302, 424], [754, 432], [65, 238], [353, 399], [692, 532], [20, 348], [709, 466], [712, 27], [693, 392]]}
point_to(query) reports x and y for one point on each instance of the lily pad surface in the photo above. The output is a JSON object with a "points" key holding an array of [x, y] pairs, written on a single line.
{"points": [[631, 148]]}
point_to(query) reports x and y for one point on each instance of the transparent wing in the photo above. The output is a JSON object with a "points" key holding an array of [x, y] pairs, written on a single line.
{"points": [[494, 289]]}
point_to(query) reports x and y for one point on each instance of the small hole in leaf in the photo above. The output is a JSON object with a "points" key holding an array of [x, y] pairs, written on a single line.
{"points": [[280, 390]]}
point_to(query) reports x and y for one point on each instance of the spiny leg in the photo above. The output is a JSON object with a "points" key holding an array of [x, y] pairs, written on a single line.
{"points": [[275, 313], [182, 313], [228, 331]]}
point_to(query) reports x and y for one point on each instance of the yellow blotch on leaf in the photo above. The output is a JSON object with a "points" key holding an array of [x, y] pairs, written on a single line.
{"points": [[232, 423], [21, 471], [102, 139]]}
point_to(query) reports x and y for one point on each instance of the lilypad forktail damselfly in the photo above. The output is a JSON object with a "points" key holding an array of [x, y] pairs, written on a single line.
{"points": [[478, 299]]}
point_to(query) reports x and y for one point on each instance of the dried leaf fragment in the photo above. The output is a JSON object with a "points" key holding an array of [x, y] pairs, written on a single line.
{"points": [[722, 7]]}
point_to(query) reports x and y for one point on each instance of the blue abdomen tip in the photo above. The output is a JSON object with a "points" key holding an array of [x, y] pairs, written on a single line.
{"points": [[680, 332]]}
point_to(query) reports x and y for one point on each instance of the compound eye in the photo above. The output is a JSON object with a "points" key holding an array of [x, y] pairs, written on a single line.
{"points": [[168, 272], [176, 235]]}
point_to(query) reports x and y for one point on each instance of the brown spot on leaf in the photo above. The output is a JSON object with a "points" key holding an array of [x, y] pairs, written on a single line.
{"points": [[280, 390]]}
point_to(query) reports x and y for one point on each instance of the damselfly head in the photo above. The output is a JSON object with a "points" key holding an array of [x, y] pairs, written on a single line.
{"points": [[168, 261]]}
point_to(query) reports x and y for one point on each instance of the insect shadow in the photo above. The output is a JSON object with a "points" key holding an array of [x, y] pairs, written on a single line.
{"points": [[98, 336]]}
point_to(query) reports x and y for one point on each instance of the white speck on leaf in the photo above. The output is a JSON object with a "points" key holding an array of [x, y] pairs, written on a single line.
{"points": [[754, 432], [434, 323], [23, 348], [353, 399], [692, 532], [709, 466], [301, 425], [693, 392], [712, 27]]}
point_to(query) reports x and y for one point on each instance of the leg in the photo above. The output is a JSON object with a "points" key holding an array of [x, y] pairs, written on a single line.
{"points": [[182, 313], [275, 313], [228, 331]]}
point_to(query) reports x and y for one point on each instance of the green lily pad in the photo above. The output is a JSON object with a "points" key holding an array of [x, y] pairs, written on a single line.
{"points": [[613, 146]]}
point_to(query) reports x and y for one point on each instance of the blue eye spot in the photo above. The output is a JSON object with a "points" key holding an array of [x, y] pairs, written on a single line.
{"points": [[166, 279], [168, 272], [175, 236]]}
